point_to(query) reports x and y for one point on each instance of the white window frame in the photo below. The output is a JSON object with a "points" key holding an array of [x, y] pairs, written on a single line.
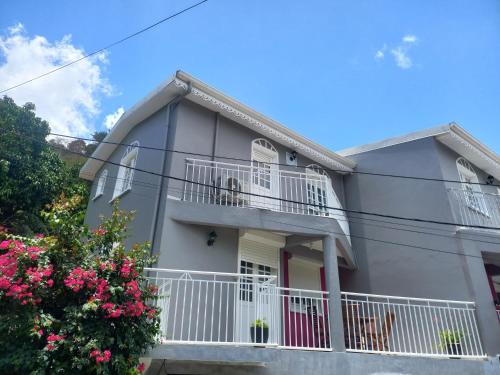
{"points": [[472, 191], [126, 171], [101, 183], [318, 196]]}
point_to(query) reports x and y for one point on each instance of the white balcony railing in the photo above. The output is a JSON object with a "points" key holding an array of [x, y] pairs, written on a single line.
{"points": [[239, 185], [222, 308], [476, 208], [410, 326]]}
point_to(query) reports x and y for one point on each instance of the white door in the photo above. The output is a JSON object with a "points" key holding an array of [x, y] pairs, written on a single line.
{"points": [[257, 298], [265, 178]]}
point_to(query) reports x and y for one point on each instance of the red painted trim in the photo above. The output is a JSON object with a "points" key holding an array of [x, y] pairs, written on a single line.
{"points": [[323, 289], [322, 278], [286, 284], [489, 275]]}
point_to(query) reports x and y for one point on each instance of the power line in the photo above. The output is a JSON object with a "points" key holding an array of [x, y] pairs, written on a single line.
{"points": [[282, 199], [272, 163], [106, 47], [203, 197], [314, 205], [352, 235]]}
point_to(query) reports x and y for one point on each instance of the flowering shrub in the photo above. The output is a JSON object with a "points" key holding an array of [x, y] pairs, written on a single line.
{"points": [[75, 301]]}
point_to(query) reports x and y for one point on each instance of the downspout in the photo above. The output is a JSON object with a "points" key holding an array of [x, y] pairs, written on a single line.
{"points": [[156, 210]]}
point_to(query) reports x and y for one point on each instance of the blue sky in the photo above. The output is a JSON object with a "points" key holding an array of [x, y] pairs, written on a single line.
{"points": [[316, 67]]}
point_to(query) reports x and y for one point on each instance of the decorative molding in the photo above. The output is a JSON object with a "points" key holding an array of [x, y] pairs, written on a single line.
{"points": [[262, 128], [472, 148]]}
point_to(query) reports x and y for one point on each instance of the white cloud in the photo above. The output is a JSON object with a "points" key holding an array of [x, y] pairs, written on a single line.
{"points": [[400, 51], [68, 99], [409, 38], [401, 58], [379, 55], [111, 119]]}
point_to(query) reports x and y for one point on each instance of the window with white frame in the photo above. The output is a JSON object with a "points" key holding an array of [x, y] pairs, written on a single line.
{"points": [[126, 171], [101, 183], [472, 191], [317, 190]]}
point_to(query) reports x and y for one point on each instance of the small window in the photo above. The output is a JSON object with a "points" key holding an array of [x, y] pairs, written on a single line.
{"points": [[471, 190], [101, 183], [126, 171]]}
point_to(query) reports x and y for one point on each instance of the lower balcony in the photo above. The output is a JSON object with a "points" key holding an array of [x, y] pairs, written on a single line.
{"points": [[209, 308]]}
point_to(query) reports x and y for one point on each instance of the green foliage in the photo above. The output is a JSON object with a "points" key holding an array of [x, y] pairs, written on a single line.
{"points": [[449, 337], [31, 173], [85, 308], [259, 323]]}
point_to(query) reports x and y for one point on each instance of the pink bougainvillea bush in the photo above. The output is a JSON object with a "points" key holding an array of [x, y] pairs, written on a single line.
{"points": [[75, 301]]}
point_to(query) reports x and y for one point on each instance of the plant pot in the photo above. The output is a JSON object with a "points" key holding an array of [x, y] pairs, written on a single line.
{"points": [[259, 335], [454, 349]]}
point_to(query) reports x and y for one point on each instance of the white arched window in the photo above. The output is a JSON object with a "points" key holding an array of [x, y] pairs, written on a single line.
{"points": [[126, 170], [265, 178], [472, 191], [318, 186], [101, 183]]}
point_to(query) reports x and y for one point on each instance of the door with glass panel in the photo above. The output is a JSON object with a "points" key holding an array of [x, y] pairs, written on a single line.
{"points": [[256, 300], [265, 179]]}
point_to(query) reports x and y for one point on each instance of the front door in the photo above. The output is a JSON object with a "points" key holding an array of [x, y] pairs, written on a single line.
{"points": [[257, 299]]}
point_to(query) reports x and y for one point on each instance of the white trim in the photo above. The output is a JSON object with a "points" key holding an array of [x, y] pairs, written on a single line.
{"points": [[453, 136], [210, 98], [101, 184], [125, 176]]}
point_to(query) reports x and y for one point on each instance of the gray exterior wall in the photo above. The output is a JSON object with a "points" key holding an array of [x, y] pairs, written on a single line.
{"points": [[142, 197], [197, 132], [385, 265], [442, 263]]}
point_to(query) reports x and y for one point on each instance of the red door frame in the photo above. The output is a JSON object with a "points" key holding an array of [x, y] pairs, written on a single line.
{"points": [[286, 284]]}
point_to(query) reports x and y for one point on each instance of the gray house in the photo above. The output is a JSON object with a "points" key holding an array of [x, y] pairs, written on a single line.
{"points": [[277, 255]]}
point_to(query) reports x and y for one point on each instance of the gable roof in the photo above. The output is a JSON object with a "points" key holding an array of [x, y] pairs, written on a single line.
{"points": [[451, 135], [214, 100]]}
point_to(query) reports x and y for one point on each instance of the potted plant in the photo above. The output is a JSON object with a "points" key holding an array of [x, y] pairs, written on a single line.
{"points": [[450, 340], [259, 331]]}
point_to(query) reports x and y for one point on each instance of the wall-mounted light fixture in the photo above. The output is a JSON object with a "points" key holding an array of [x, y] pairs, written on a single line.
{"points": [[291, 157], [490, 179], [212, 236]]}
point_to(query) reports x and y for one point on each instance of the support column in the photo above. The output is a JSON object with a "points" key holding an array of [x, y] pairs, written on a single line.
{"points": [[333, 288]]}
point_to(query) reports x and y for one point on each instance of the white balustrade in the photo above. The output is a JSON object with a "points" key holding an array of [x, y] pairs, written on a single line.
{"points": [[214, 308], [410, 326], [262, 186]]}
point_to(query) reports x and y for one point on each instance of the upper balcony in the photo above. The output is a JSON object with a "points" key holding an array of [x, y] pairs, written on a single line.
{"points": [[263, 186], [475, 207]]}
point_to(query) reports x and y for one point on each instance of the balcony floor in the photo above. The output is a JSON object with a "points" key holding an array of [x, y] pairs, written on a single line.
{"points": [[202, 359]]}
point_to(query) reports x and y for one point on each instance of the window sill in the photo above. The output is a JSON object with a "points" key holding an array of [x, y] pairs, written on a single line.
{"points": [[119, 195]]}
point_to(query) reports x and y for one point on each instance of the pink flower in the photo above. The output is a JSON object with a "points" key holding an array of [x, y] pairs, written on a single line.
{"points": [[54, 338], [39, 235], [51, 347], [115, 313], [99, 232], [141, 367], [40, 332], [4, 244], [101, 357]]}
